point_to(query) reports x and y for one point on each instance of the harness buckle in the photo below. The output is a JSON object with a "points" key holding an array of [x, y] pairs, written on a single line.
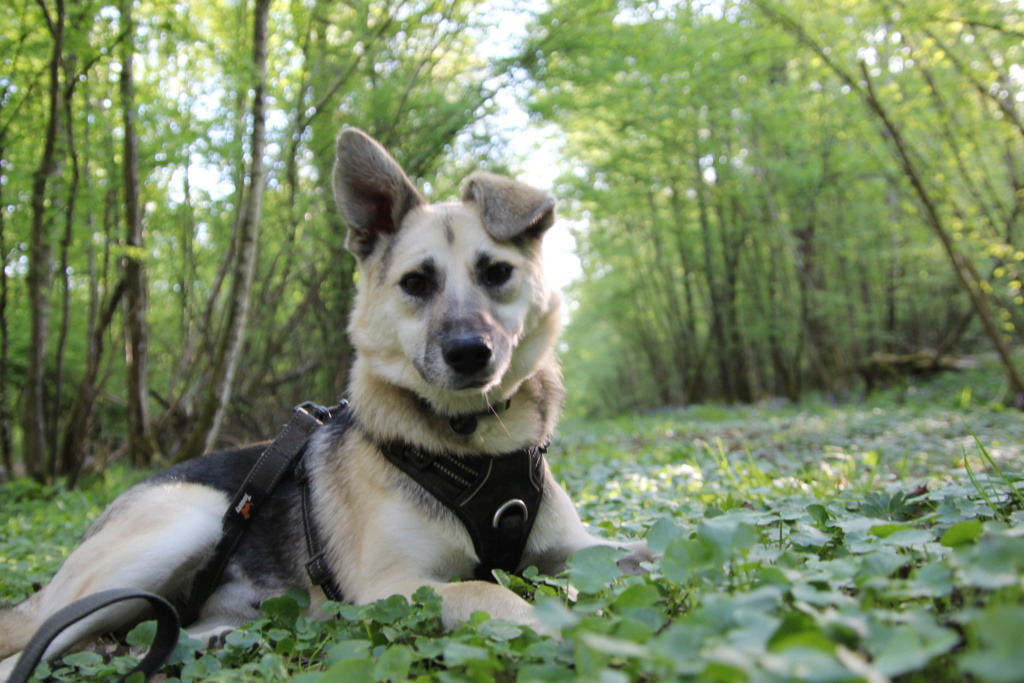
{"points": [[318, 571]]}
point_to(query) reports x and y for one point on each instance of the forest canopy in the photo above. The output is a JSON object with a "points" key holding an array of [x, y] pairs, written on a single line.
{"points": [[768, 195]]}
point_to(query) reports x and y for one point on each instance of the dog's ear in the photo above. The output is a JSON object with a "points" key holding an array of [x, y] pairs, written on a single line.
{"points": [[509, 209], [372, 191]]}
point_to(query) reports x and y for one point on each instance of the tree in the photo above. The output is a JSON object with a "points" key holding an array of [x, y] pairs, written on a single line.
{"points": [[748, 231], [140, 441], [225, 365], [914, 165], [34, 414]]}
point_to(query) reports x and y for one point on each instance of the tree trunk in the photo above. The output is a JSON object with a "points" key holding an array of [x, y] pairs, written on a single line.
{"points": [[735, 350], [716, 333], [34, 419], [204, 435], [136, 343], [58, 466], [694, 371], [79, 421], [6, 447]]}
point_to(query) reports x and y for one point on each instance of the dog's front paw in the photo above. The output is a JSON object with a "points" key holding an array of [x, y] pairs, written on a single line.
{"points": [[212, 636]]}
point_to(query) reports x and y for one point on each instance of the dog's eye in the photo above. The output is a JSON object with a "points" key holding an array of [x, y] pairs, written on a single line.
{"points": [[415, 284], [496, 274]]}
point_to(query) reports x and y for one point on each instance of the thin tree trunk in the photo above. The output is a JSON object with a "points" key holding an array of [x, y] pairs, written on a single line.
{"points": [[716, 332], [204, 435], [79, 422], [6, 447], [140, 441], [735, 350], [57, 466], [694, 371], [34, 418]]}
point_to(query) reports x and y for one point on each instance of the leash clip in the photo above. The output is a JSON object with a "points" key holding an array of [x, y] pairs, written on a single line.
{"points": [[514, 505], [318, 411]]}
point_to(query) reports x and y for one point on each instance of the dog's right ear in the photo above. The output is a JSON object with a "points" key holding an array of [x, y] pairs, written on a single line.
{"points": [[372, 191]]}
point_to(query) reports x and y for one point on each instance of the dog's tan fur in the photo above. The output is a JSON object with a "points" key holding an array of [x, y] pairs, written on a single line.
{"points": [[383, 535]]}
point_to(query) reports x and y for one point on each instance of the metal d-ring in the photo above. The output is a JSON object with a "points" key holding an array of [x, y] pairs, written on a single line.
{"points": [[508, 505]]}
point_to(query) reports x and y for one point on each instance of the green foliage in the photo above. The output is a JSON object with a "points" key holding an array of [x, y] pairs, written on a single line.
{"points": [[802, 542], [407, 73], [746, 231]]}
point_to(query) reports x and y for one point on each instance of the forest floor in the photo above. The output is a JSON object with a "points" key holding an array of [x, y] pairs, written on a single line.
{"points": [[872, 541]]}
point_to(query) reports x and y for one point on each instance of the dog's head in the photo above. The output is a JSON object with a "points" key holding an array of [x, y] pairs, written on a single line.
{"points": [[452, 301]]}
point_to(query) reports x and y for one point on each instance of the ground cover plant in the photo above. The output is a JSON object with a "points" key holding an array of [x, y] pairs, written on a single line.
{"points": [[875, 541]]}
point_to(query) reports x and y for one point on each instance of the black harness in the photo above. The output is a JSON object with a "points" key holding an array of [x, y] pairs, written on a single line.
{"points": [[496, 498]]}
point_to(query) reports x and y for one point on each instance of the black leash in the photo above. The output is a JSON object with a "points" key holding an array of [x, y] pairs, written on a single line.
{"points": [[167, 629]]}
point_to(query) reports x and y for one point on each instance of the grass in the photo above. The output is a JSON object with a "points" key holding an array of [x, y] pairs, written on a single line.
{"points": [[869, 542]]}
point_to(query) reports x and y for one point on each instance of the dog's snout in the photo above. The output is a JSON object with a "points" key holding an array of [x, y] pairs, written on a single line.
{"points": [[467, 354]]}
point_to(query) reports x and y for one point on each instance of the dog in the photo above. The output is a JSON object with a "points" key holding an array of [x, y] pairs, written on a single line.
{"points": [[454, 328]]}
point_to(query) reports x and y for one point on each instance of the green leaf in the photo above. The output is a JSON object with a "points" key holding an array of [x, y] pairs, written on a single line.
{"points": [[887, 530], [284, 610], [907, 538], [800, 631], [348, 649], [727, 535], [663, 532], [994, 650], [543, 673], [350, 670], [394, 663], [389, 610], [242, 639], [880, 564], [142, 635], [819, 513], [499, 631], [553, 614], [962, 533], [683, 557], [592, 569], [460, 654], [616, 647], [932, 580], [637, 597], [86, 662], [908, 648]]}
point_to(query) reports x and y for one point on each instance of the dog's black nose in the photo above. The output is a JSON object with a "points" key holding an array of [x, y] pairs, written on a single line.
{"points": [[467, 354]]}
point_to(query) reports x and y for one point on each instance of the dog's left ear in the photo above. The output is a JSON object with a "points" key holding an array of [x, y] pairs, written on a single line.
{"points": [[509, 209]]}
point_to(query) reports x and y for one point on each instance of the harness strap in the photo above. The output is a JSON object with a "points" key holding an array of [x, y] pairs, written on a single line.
{"points": [[263, 478], [166, 639], [497, 498], [318, 568]]}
